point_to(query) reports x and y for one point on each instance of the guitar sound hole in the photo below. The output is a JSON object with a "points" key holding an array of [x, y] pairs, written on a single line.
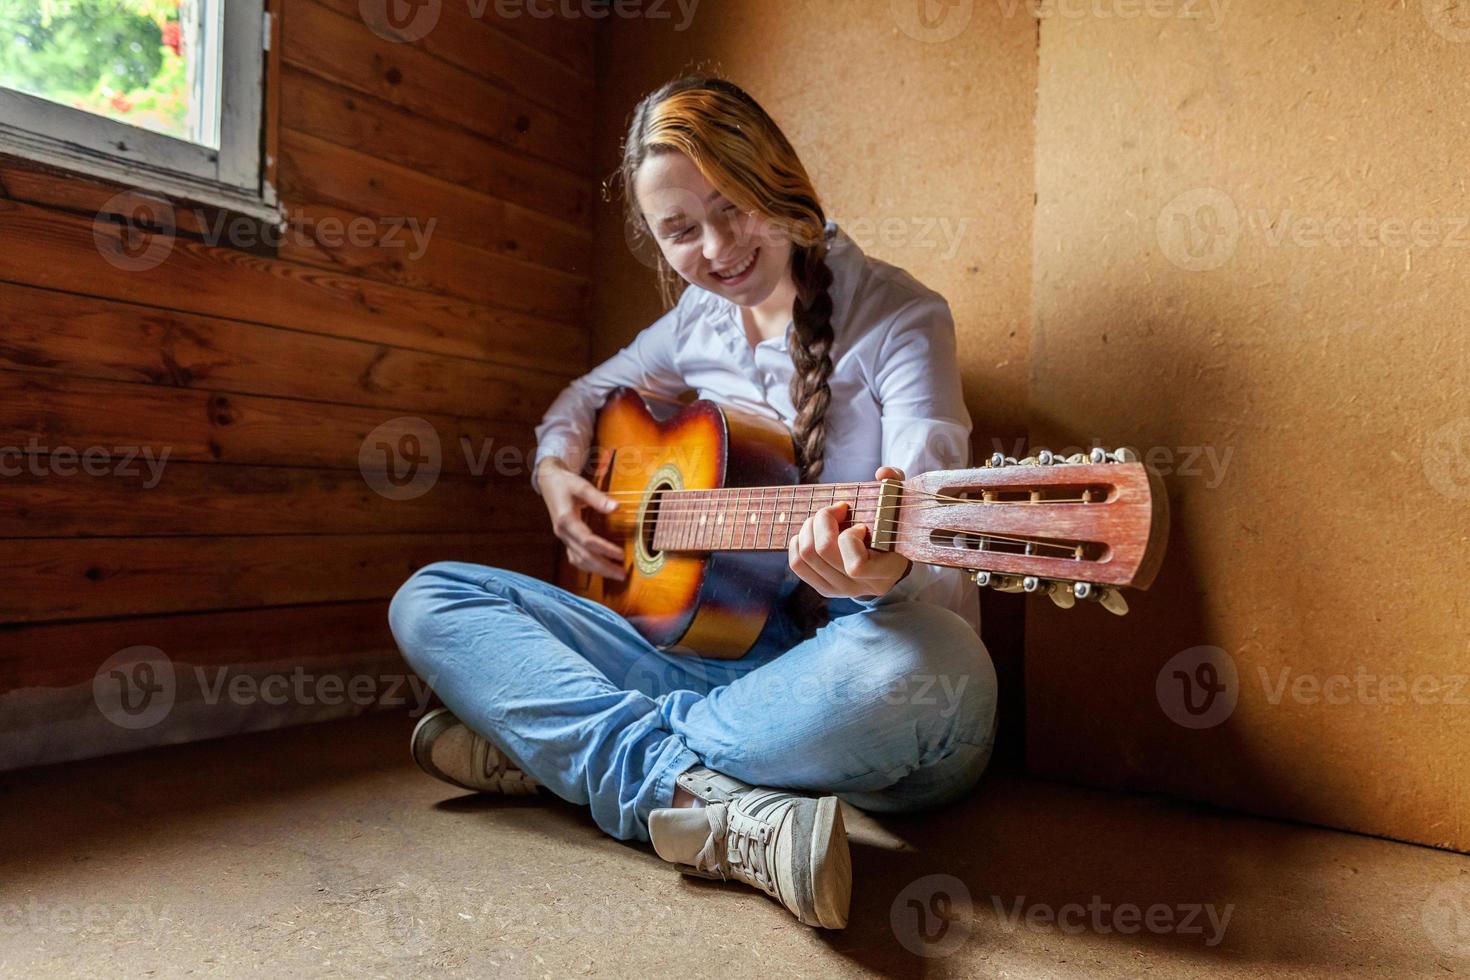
{"points": [[648, 520]]}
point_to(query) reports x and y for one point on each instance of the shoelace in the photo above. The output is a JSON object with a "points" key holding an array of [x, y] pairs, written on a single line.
{"points": [[737, 848], [497, 768]]}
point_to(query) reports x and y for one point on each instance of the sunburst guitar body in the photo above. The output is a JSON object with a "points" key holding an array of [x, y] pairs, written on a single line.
{"points": [[708, 499]]}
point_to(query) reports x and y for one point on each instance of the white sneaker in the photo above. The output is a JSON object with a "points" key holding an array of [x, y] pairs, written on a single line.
{"points": [[792, 847], [445, 748]]}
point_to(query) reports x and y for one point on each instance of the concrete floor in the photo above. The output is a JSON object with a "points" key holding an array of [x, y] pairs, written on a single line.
{"points": [[322, 851]]}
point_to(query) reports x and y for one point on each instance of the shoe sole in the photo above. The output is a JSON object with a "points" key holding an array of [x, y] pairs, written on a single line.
{"points": [[421, 743], [831, 865], [512, 783]]}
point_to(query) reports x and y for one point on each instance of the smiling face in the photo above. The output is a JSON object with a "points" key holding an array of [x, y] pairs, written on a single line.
{"points": [[707, 239]]}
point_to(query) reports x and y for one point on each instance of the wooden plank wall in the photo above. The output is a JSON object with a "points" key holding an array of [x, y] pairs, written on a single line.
{"points": [[260, 371]]}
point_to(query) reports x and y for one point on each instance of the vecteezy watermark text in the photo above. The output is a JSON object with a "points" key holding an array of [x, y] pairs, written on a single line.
{"points": [[41, 460], [1126, 918], [137, 687], [117, 921], [406, 21], [135, 231]]}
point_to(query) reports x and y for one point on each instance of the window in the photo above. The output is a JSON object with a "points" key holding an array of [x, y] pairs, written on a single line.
{"points": [[165, 95]]}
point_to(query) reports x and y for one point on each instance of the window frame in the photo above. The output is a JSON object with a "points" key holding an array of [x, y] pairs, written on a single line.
{"points": [[233, 177]]}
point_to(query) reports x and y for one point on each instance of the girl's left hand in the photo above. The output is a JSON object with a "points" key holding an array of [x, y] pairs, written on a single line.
{"points": [[839, 563]]}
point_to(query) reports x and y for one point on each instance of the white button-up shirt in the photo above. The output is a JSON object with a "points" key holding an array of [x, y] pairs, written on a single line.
{"points": [[896, 395]]}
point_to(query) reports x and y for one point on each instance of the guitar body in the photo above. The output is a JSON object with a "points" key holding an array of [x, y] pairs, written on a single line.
{"points": [[713, 604]]}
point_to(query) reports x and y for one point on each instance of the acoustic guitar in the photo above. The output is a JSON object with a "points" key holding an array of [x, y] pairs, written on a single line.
{"points": [[708, 498]]}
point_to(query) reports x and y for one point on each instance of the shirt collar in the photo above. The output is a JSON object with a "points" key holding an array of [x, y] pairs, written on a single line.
{"points": [[844, 259]]}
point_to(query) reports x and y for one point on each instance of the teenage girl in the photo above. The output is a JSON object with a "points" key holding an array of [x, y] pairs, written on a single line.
{"points": [[733, 768]]}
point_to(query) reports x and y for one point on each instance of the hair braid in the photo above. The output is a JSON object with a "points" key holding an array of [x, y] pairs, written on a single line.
{"points": [[811, 355]]}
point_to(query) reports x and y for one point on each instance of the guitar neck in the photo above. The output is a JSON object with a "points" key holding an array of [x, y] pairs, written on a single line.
{"points": [[752, 518]]}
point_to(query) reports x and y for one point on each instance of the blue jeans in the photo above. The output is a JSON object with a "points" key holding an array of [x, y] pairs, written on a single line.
{"points": [[891, 707]]}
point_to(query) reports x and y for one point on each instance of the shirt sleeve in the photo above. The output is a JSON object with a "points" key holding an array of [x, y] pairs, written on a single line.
{"points": [[648, 363], [926, 425]]}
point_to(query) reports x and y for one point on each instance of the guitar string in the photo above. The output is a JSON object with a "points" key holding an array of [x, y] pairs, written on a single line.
{"points": [[699, 505], [866, 486], [902, 535], [679, 520]]}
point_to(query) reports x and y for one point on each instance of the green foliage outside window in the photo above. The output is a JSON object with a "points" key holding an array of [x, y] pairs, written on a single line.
{"points": [[124, 59]]}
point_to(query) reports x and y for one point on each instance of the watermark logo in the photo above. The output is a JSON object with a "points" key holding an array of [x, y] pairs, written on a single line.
{"points": [[135, 688], [113, 922], [1205, 920], [1364, 687], [1198, 687], [1450, 19], [590, 9], [134, 232], [1199, 230], [1210, 12], [936, 234], [1447, 459], [933, 916], [932, 21], [1445, 917], [96, 461], [400, 21], [1210, 462], [401, 458]]}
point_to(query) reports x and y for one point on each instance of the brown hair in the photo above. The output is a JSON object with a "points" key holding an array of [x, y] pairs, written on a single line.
{"points": [[743, 153]]}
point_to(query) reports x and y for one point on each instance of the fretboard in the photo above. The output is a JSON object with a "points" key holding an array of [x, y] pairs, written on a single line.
{"points": [[751, 518]]}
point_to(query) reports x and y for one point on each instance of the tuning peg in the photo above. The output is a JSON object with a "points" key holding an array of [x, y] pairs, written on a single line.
{"points": [[1098, 455], [1061, 594], [1124, 454], [1077, 458], [996, 581], [1045, 457], [1110, 599], [997, 459]]}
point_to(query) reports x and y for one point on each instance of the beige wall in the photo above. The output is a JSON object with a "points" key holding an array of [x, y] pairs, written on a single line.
{"points": [[918, 144], [919, 140], [1303, 399], [1184, 300]]}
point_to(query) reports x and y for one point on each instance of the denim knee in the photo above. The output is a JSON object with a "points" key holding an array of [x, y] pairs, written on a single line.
{"points": [[410, 612], [936, 674]]}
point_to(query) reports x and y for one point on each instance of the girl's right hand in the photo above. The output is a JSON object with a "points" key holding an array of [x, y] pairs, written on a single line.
{"points": [[565, 494]]}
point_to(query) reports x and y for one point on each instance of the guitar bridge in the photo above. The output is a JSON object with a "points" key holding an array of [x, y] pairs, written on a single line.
{"points": [[885, 521]]}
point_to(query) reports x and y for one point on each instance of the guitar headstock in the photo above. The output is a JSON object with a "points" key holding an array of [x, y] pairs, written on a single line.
{"points": [[1077, 527]]}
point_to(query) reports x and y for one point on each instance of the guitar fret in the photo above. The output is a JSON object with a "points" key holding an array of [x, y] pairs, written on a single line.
{"points": [[706, 522], [681, 537], [719, 522], [732, 518], [691, 525], [740, 506], [747, 507], [711, 518], [768, 515], [772, 506]]}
